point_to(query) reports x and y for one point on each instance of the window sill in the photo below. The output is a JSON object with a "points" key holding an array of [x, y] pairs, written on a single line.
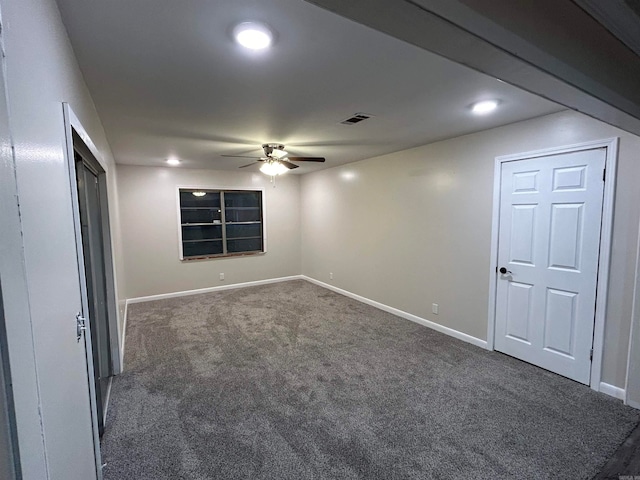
{"points": [[228, 255]]}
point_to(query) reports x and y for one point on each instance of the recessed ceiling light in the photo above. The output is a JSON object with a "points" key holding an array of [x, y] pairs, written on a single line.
{"points": [[484, 107], [173, 161], [252, 35]]}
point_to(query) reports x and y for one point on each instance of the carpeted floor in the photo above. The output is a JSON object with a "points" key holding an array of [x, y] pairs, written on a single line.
{"points": [[293, 381]]}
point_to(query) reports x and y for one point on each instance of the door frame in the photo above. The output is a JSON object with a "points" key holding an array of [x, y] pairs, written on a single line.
{"points": [[611, 159], [89, 163], [73, 125], [632, 387]]}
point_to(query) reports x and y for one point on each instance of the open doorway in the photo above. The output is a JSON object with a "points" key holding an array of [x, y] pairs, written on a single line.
{"points": [[96, 248]]}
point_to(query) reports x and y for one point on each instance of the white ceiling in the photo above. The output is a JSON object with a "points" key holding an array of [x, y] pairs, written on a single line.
{"points": [[168, 79]]}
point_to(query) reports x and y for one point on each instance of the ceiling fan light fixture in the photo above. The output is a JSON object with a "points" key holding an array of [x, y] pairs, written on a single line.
{"points": [[273, 168], [253, 35]]}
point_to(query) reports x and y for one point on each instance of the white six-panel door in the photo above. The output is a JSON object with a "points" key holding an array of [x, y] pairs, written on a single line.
{"points": [[548, 243]]}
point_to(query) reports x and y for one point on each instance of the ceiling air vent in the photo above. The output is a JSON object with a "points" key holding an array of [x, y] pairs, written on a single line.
{"points": [[356, 118]]}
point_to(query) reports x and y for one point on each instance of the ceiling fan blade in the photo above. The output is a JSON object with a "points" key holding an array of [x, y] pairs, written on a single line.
{"points": [[249, 164], [240, 156], [306, 159], [289, 165]]}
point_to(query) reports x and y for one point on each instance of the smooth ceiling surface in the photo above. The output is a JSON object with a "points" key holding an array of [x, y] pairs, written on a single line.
{"points": [[168, 80]]}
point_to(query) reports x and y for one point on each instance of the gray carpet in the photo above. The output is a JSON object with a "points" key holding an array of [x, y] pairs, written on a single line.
{"points": [[292, 381]]}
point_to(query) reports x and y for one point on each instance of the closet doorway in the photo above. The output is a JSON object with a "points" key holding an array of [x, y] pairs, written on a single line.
{"points": [[96, 246]]}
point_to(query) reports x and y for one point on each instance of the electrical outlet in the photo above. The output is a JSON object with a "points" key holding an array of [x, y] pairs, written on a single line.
{"points": [[434, 308], [222, 276], [330, 275]]}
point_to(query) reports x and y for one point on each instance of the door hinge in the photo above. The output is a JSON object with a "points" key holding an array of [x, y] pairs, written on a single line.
{"points": [[604, 174], [591, 354], [81, 326]]}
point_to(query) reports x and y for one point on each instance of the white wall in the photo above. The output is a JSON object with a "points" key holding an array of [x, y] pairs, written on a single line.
{"points": [[413, 228], [633, 373], [148, 199], [55, 435]]}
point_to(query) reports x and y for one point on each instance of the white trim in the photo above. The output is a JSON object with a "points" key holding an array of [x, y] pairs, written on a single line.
{"points": [[606, 234], [231, 286], [400, 313], [575, 147], [110, 258], [72, 123], [493, 278], [611, 390], [82, 133], [108, 399], [611, 146], [124, 335], [633, 375]]}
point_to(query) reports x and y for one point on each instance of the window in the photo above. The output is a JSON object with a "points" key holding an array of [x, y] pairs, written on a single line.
{"points": [[220, 223]]}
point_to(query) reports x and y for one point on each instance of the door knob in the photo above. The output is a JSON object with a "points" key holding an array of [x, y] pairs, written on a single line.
{"points": [[81, 326], [504, 271]]}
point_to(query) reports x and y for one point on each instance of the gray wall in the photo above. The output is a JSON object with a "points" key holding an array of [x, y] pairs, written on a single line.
{"points": [[413, 228], [148, 199], [39, 258]]}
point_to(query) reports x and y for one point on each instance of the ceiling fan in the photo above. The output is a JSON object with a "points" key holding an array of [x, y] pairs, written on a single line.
{"points": [[276, 159]]}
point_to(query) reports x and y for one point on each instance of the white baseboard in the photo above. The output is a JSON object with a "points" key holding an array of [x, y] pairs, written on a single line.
{"points": [[124, 335], [612, 391], [408, 316], [108, 399], [231, 286]]}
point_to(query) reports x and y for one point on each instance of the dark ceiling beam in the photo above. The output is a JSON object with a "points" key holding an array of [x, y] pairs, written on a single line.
{"points": [[620, 17], [550, 48]]}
